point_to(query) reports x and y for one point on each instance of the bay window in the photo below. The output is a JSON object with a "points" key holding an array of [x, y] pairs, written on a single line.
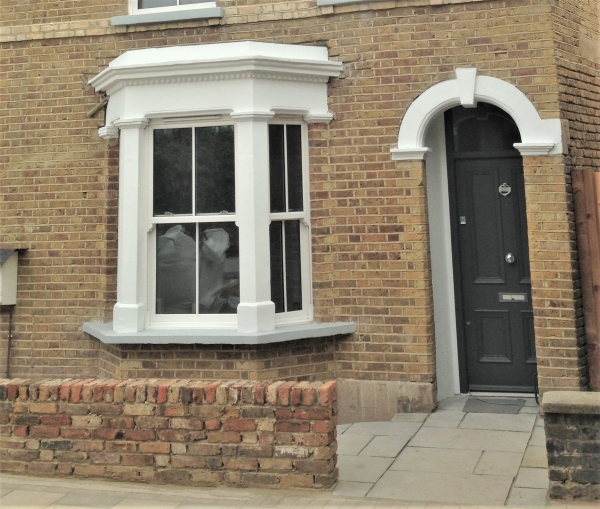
{"points": [[214, 216]]}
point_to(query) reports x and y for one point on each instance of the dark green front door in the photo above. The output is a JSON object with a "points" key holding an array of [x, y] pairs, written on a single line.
{"points": [[491, 256]]}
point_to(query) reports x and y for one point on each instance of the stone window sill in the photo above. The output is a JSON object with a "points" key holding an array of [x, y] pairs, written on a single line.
{"points": [[105, 333], [167, 17]]}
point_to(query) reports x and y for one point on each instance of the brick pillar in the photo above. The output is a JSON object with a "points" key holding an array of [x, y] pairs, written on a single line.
{"points": [[555, 285]]}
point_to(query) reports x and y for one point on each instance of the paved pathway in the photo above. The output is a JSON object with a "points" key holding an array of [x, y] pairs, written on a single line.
{"points": [[447, 459]]}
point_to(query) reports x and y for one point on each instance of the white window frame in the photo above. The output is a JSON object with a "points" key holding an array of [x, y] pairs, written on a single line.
{"points": [[134, 9], [247, 84], [290, 317], [165, 321]]}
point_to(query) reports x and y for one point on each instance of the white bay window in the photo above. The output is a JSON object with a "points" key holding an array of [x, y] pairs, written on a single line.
{"points": [[214, 216]]}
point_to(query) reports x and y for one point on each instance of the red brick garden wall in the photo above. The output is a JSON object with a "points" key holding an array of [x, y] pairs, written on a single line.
{"points": [[205, 433]]}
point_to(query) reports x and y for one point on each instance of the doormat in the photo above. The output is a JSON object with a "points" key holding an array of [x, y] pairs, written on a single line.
{"points": [[493, 405]]}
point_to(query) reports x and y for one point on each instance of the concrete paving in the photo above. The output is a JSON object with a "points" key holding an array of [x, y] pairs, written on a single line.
{"points": [[448, 459]]}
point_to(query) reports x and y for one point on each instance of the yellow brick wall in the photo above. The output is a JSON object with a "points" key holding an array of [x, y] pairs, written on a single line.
{"points": [[58, 181]]}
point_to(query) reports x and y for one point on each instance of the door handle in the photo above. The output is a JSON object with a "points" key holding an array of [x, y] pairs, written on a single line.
{"points": [[510, 258]]}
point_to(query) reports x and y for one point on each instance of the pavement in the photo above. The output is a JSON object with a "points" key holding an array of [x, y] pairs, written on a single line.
{"points": [[448, 459]]}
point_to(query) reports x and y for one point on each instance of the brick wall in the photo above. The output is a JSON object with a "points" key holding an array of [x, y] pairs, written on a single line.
{"points": [[202, 433], [578, 82], [58, 185], [572, 423]]}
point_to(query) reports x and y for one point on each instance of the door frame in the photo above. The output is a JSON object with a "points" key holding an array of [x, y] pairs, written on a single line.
{"points": [[422, 137]]}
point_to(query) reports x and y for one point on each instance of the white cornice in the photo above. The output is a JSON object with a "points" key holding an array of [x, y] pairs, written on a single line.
{"points": [[410, 154], [109, 132], [217, 62], [534, 149]]}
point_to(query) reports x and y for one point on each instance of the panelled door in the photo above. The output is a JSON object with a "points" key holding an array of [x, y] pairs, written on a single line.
{"points": [[489, 237]]}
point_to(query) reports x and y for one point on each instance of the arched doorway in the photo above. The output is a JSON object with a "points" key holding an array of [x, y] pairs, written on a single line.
{"points": [[422, 137], [488, 223]]}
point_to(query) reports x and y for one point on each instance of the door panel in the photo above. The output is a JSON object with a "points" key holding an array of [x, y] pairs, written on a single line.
{"points": [[493, 335], [495, 295]]}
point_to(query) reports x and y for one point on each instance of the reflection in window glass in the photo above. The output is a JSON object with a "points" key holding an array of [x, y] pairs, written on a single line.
{"points": [[277, 167], [172, 171], [210, 286], [215, 170], [286, 274], [294, 167], [176, 269], [219, 268], [483, 129], [285, 167]]}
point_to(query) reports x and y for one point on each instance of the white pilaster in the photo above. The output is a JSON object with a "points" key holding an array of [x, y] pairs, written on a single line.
{"points": [[130, 311], [256, 311]]}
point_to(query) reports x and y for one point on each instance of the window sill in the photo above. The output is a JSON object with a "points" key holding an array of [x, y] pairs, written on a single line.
{"points": [[105, 333], [166, 17]]}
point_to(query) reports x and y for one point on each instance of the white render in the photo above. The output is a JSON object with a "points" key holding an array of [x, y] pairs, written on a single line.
{"points": [[242, 83], [538, 136]]}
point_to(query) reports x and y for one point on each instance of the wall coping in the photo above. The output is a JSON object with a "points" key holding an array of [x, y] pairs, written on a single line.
{"points": [[570, 402]]}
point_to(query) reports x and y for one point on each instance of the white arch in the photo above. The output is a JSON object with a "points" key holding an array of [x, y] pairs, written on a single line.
{"points": [[538, 136]]}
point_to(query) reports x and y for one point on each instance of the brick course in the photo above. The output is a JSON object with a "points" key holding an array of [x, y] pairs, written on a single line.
{"points": [[249, 440], [371, 262]]}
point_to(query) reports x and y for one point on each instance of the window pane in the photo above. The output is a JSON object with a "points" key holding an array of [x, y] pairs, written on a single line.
{"points": [[277, 168], [276, 245], [293, 275], [483, 129], [219, 268], [215, 170], [186, 2], [148, 4], [172, 171], [175, 269], [294, 158]]}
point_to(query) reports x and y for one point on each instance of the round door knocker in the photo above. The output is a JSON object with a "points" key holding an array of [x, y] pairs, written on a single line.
{"points": [[504, 189]]}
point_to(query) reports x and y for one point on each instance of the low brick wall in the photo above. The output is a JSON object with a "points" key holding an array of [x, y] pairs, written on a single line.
{"points": [[201, 433], [572, 422]]}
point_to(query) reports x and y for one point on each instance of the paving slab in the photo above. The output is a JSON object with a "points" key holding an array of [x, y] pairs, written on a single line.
{"points": [[352, 489], [342, 427], [197, 503], [538, 437], [389, 428], [29, 499], [529, 410], [500, 422], [351, 445], [362, 468], [499, 463], [88, 498], [142, 503], [471, 439], [535, 457], [532, 478], [448, 461], [416, 417], [453, 403], [527, 497], [444, 419], [385, 446], [442, 488]]}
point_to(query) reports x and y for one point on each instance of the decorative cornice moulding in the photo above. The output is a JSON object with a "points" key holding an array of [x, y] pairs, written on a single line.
{"points": [[217, 62]]}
